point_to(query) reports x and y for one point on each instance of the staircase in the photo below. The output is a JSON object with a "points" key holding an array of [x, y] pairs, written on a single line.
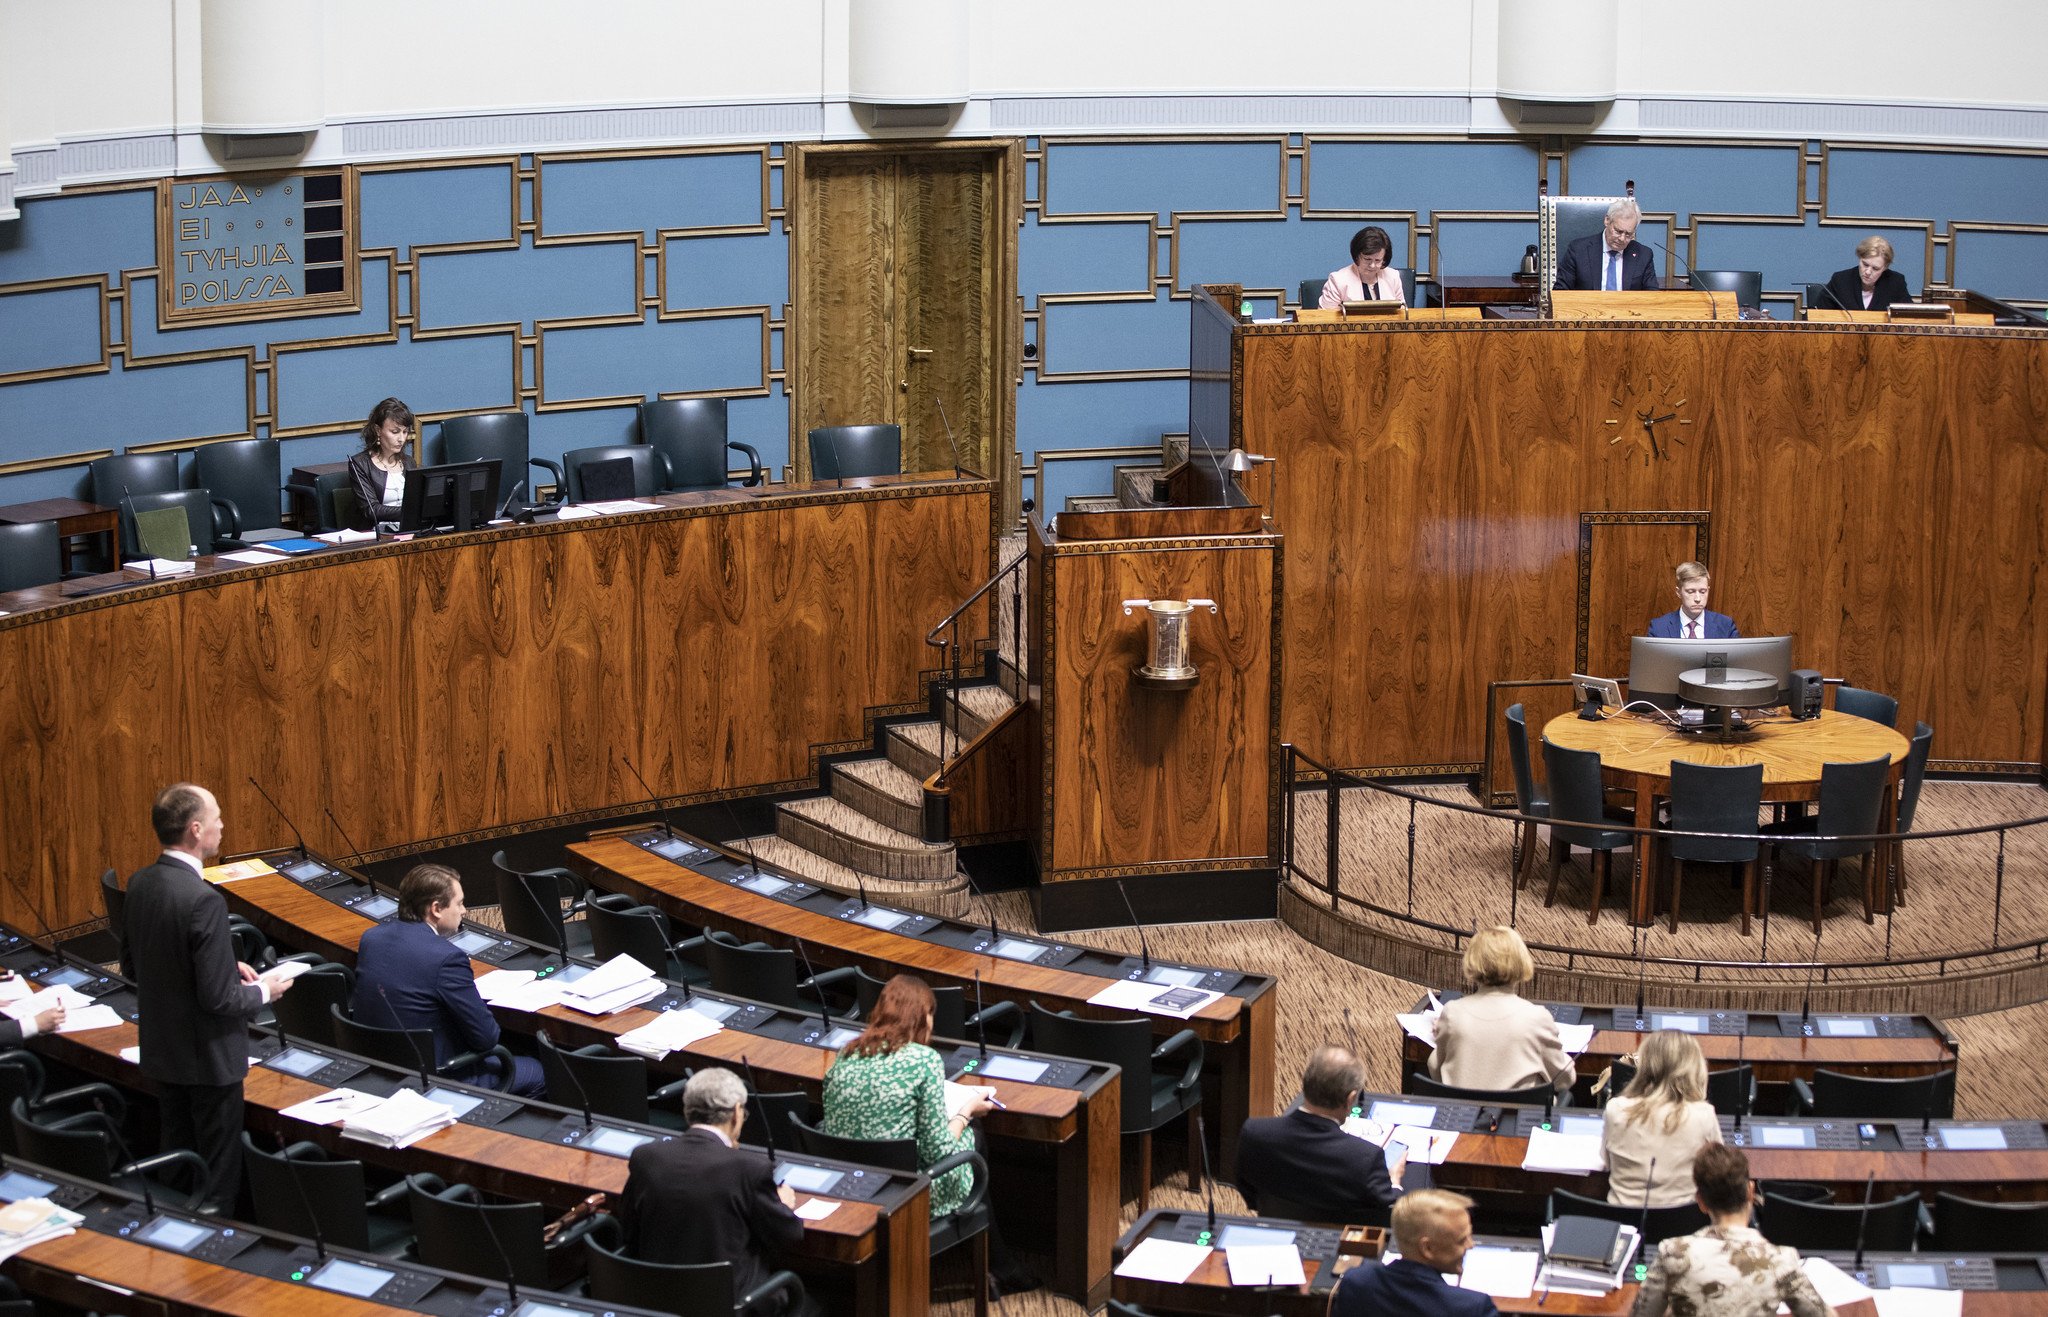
{"points": [[1134, 484]]}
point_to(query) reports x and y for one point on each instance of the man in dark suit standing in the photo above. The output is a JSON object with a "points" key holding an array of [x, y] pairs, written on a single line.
{"points": [[1303, 1164], [702, 1198], [1692, 620], [1612, 260], [410, 976], [1432, 1231], [196, 998]]}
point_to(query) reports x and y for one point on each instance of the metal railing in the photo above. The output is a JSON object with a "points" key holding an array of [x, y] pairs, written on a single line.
{"points": [[1335, 781], [945, 636]]}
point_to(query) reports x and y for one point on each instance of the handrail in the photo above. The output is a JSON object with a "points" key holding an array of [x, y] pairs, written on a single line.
{"points": [[931, 637], [1335, 779], [945, 636]]}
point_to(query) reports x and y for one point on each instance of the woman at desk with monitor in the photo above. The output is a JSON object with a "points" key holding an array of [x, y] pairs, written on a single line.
{"points": [[378, 472], [1368, 278]]}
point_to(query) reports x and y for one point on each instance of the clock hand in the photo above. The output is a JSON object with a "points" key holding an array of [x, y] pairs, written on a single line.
{"points": [[1656, 420]]}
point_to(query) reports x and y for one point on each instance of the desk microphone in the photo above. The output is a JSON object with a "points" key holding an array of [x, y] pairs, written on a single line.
{"points": [[127, 1154], [279, 811], [1862, 1221], [575, 1080], [504, 1258], [861, 885], [811, 981], [940, 403], [988, 908], [739, 834], [43, 926], [1143, 950], [1642, 955], [1741, 1080], [1832, 298], [653, 797], [1643, 1221], [838, 467], [980, 1016], [1806, 993], [355, 855], [1208, 1177], [1713, 294], [284, 1153], [419, 1054], [767, 1133]]}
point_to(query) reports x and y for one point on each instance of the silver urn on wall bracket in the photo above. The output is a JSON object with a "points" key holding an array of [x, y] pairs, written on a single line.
{"points": [[1168, 667]]}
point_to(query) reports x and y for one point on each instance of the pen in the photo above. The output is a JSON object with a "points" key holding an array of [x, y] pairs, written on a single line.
{"points": [[996, 1102]]}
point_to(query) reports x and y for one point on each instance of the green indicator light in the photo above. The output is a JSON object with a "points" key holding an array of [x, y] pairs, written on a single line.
{"points": [[298, 1275]]}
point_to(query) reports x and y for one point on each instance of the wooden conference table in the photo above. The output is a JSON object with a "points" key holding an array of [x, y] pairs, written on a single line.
{"points": [[1636, 754]]}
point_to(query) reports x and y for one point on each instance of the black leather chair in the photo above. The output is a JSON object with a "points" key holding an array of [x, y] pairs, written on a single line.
{"points": [[1536, 1095], [326, 503], [1732, 1090], [530, 901], [1966, 1224], [647, 468], [500, 435], [949, 1013], [610, 1083], [244, 478], [87, 1144], [306, 1013], [1527, 800], [1910, 781], [199, 507], [765, 973], [1810, 1227], [23, 1078], [1915, 1097], [31, 554], [1658, 1223], [1153, 1092], [1576, 796], [404, 1048], [448, 1220], [1876, 706], [968, 1225], [1706, 798], [1747, 285], [122, 475], [690, 435], [621, 927], [114, 899], [1851, 799], [335, 1190], [671, 1287], [769, 1115], [839, 451]]}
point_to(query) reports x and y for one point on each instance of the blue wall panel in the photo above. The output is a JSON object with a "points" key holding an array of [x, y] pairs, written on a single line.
{"points": [[100, 234], [666, 356], [1091, 336], [1485, 246], [122, 407], [338, 386], [551, 434], [51, 329], [421, 207], [531, 283], [1108, 257], [2007, 189], [1421, 176], [1793, 256], [1745, 180], [1272, 253], [373, 318], [649, 193], [2006, 265], [1099, 414], [1104, 178], [748, 270]]}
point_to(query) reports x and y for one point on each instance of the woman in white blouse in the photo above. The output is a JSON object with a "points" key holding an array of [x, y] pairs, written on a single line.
{"points": [[1662, 1117], [378, 472]]}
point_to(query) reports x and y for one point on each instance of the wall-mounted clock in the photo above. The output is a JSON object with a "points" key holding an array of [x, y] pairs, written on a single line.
{"points": [[1638, 424]]}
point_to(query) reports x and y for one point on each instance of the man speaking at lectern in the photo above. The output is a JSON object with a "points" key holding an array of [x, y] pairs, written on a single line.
{"points": [[1611, 260], [1691, 620]]}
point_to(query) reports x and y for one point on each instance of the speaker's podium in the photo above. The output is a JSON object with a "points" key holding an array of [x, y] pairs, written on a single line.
{"points": [[1647, 304], [1155, 665]]}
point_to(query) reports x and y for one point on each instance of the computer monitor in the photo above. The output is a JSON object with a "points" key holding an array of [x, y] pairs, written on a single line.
{"points": [[458, 496], [1655, 662]]}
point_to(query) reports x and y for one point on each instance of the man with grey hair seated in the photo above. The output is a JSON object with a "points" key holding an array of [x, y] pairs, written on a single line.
{"points": [[1611, 260], [1302, 1164], [703, 1198]]}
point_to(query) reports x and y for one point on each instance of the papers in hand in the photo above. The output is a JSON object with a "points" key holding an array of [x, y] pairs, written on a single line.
{"points": [[1162, 1260], [1575, 1038], [959, 1097], [1420, 1025], [1265, 1264], [670, 1031], [613, 986], [1425, 1147], [27, 1008], [399, 1121], [1551, 1151], [1152, 999]]}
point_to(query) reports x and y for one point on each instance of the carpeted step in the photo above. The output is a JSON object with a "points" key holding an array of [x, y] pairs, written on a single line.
{"points": [[1134, 485], [973, 708], [846, 836], [786, 856], [914, 747], [882, 791]]}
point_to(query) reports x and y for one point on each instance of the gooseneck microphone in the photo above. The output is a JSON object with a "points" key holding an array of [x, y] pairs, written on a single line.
{"points": [[305, 1200], [838, 466], [35, 909], [419, 1054], [1832, 298], [575, 1080], [1806, 993], [739, 839], [355, 854], [1863, 1222], [1691, 277], [127, 1154], [653, 797], [1144, 951], [988, 908], [980, 1015], [767, 1125], [279, 812], [940, 403], [811, 977], [1643, 1220], [1208, 1176], [504, 1258], [1642, 955]]}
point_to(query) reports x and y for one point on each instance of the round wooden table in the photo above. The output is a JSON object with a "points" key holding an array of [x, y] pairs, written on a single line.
{"points": [[1636, 754]]}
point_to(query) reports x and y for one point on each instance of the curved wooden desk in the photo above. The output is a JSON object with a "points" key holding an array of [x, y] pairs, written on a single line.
{"points": [[463, 686], [1636, 753]]}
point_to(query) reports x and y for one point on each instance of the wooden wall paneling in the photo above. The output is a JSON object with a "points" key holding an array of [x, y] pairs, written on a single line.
{"points": [[303, 680], [1146, 777], [946, 231], [1541, 700], [843, 303], [1625, 565], [989, 788], [94, 721]]}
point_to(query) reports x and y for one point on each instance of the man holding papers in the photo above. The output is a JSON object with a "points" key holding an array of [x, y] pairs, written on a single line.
{"points": [[1302, 1164], [409, 976], [196, 998], [703, 1198], [1432, 1231]]}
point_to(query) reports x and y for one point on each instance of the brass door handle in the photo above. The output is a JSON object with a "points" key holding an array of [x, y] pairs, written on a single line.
{"points": [[917, 354]]}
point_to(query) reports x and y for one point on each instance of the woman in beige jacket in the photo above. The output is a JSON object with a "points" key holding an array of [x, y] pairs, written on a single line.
{"points": [[1491, 1038]]}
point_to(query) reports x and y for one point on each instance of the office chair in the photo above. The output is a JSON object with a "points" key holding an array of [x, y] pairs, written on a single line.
{"points": [[765, 973], [646, 467], [453, 1235], [1873, 705], [85, 1144], [1967, 1224], [334, 1189], [243, 476], [621, 927], [1705, 798], [1658, 1223], [770, 1113], [1910, 780], [23, 1079], [687, 1289], [327, 503], [610, 1082], [1747, 285], [1420, 1084], [530, 901], [949, 1012], [500, 435], [1527, 800], [1732, 1090], [31, 554], [1576, 796], [1915, 1097], [199, 507], [689, 433], [839, 451], [306, 1013], [122, 475], [394, 1048], [1814, 1226], [1153, 1092], [1851, 799]]}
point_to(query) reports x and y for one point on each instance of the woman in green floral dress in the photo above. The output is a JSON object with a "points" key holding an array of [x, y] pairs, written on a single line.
{"points": [[888, 1084]]}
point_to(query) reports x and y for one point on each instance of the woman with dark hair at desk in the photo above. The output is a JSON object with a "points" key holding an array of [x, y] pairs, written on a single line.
{"points": [[1367, 278], [1729, 1269], [1871, 284], [378, 472]]}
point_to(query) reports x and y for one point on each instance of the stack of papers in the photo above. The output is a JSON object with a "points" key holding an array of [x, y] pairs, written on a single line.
{"points": [[1551, 1151], [1162, 1260], [670, 1031], [80, 1011], [160, 567], [228, 873], [1423, 1146], [347, 536], [1151, 998], [531, 994], [496, 985], [605, 507], [399, 1121], [1504, 1273], [27, 1222], [1567, 1279], [332, 1107], [619, 983]]}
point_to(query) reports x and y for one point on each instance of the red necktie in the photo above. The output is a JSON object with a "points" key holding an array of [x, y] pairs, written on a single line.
{"points": [[1692, 630]]}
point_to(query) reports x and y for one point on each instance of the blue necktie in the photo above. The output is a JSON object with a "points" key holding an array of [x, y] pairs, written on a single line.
{"points": [[1613, 284]]}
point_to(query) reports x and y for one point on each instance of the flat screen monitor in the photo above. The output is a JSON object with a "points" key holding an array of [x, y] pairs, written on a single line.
{"points": [[470, 941], [171, 1233], [1782, 1136], [887, 920], [1655, 662], [457, 496], [1014, 1067], [351, 1278], [68, 977], [16, 1185], [1252, 1237], [808, 1179], [1420, 1114]]}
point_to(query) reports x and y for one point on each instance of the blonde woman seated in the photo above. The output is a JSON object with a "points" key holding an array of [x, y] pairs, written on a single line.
{"points": [[1490, 1038], [1662, 1117]]}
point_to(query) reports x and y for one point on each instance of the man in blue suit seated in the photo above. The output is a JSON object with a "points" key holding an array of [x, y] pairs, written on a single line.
{"points": [[408, 975], [1610, 260], [1303, 1163], [1691, 620], [1432, 1230]]}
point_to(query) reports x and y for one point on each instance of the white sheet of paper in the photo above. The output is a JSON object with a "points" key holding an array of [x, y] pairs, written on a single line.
{"points": [[1162, 1260], [331, 1107], [1905, 1301], [36, 1003], [958, 1096], [288, 969], [1575, 1037], [498, 982], [347, 536], [1836, 1286], [530, 996], [1131, 995], [132, 1055], [161, 567], [668, 1032], [90, 1017], [1265, 1264], [1425, 1146], [1551, 1151], [618, 999], [1420, 1026], [616, 973], [1505, 1273], [251, 555], [817, 1209], [15, 989]]}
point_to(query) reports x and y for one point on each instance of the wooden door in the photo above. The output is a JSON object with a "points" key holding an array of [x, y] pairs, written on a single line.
{"points": [[903, 300]]}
